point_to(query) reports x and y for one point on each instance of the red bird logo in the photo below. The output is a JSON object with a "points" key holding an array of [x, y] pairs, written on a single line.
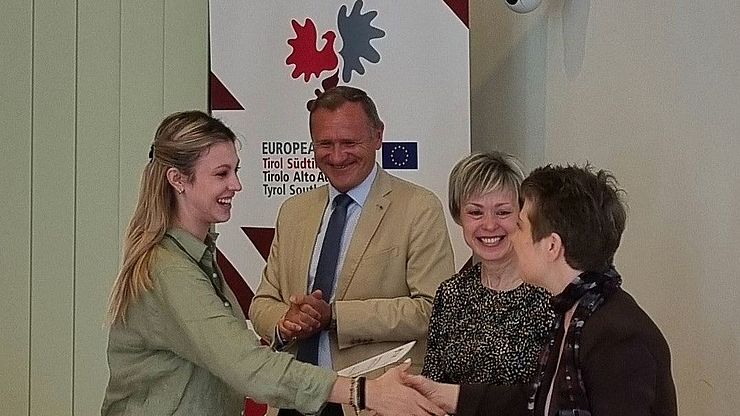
{"points": [[309, 60]]}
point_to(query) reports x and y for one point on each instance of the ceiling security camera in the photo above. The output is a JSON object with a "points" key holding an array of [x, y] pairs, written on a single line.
{"points": [[522, 6]]}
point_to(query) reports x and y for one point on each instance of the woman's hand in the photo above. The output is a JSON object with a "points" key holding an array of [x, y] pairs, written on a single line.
{"points": [[442, 395], [387, 395]]}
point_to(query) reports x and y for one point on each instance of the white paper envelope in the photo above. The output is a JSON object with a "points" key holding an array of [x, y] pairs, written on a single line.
{"points": [[381, 360]]}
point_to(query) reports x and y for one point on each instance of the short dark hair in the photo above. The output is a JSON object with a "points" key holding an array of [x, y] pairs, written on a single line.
{"points": [[333, 98], [584, 208]]}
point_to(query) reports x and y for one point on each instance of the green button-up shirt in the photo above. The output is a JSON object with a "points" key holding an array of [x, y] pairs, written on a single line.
{"points": [[183, 352]]}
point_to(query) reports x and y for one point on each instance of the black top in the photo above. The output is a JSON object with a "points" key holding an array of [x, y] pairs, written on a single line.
{"points": [[478, 335]]}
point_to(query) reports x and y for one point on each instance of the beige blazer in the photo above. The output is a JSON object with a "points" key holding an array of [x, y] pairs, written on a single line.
{"points": [[399, 253]]}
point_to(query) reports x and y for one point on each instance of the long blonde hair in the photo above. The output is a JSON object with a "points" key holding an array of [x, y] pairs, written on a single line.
{"points": [[180, 140]]}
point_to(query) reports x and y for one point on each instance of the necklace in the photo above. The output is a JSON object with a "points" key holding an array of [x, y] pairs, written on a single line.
{"points": [[488, 282]]}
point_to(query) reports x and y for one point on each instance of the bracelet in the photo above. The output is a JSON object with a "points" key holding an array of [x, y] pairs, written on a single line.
{"points": [[361, 393], [357, 394], [353, 397]]}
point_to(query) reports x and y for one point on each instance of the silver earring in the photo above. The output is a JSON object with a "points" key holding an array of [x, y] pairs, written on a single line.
{"points": [[180, 191]]}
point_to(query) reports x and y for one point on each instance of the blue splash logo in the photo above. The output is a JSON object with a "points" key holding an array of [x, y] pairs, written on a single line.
{"points": [[356, 31]]}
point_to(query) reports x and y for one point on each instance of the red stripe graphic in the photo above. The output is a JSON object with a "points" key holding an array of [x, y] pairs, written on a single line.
{"points": [[220, 98], [460, 8], [261, 237]]}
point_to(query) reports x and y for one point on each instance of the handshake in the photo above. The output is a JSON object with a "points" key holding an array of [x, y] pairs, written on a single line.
{"points": [[394, 393], [399, 393]]}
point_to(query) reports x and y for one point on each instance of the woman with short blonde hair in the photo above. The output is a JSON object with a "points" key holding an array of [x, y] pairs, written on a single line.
{"points": [[487, 326]]}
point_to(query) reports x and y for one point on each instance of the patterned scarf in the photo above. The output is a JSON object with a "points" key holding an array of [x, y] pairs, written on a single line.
{"points": [[590, 290]]}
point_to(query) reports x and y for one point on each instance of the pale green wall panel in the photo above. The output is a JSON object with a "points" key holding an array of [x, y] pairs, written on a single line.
{"points": [[86, 84], [142, 101], [185, 55], [52, 211], [16, 32], [97, 184]]}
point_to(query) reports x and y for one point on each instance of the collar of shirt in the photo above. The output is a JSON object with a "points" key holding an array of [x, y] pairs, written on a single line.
{"points": [[193, 246], [360, 192]]}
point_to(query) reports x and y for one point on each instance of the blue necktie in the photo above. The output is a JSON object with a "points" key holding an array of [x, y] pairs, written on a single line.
{"points": [[326, 270]]}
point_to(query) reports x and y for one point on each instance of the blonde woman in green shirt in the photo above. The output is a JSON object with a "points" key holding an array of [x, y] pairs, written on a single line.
{"points": [[175, 347]]}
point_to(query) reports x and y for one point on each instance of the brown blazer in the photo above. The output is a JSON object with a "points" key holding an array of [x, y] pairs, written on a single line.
{"points": [[399, 253]]}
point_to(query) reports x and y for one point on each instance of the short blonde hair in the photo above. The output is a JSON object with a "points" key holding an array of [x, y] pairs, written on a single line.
{"points": [[481, 173]]}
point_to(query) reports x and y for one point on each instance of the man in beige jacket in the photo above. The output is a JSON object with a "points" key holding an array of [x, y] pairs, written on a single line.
{"points": [[394, 249]]}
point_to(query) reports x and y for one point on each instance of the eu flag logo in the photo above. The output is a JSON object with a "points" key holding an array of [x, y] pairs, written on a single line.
{"points": [[400, 155]]}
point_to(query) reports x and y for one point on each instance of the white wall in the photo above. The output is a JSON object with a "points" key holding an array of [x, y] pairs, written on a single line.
{"points": [[650, 91]]}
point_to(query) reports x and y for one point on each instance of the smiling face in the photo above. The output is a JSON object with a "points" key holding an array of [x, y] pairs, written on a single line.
{"points": [[488, 220], [206, 198], [344, 144]]}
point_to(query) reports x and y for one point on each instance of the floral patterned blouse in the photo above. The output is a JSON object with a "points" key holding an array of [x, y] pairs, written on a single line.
{"points": [[479, 335]]}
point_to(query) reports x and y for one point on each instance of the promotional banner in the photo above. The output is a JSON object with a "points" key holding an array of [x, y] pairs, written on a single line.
{"points": [[269, 58]]}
